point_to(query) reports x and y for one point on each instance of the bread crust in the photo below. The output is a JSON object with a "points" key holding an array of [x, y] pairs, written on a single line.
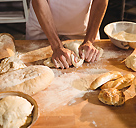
{"points": [[7, 47], [112, 96], [105, 78], [124, 81], [29, 80]]}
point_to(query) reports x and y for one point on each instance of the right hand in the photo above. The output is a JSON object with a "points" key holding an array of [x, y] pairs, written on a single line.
{"points": [[62, 57]]}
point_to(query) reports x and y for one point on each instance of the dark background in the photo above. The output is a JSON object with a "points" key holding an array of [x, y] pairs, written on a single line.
{"points": [[117, 10]]}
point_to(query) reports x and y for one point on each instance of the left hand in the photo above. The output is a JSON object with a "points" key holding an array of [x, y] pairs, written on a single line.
{"points": [[88, 52]]}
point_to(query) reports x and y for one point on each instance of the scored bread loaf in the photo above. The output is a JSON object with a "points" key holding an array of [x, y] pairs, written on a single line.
{"points": [[102, 79], [124, 81], [7, 47], [29, 80], [111, 96]]}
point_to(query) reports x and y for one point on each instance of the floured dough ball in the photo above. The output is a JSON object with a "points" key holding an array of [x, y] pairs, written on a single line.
{"points": [[14, 111], [10, 64], [111, 96], [131, 62]]}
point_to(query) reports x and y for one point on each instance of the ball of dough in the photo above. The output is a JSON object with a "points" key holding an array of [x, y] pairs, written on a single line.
{"points": [[131, 62], [14, 111], [111, 96]]}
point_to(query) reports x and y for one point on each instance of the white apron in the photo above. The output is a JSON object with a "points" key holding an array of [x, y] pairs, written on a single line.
{"points": [[70, 17]]}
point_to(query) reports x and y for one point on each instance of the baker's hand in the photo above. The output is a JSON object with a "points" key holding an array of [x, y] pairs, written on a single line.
{"points": [[61, 56], [88, 52]]}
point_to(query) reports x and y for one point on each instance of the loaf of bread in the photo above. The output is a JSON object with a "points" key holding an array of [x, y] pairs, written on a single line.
{"points": [[124, 81], [10, 64], [29, 80], [111, 96], [107, 84], [7, 47], [14, 111], [112, 75]]}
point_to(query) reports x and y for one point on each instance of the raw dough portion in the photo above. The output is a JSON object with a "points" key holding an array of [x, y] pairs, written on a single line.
{"points": [[73, 46], [10, 64], [131, 62], [125, 36], [111, 96], [30, 80], [14, 111], [7, 47]]}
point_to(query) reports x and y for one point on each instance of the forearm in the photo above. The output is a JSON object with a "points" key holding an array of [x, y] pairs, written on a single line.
{"points": [[97, 13], [44, 16]]}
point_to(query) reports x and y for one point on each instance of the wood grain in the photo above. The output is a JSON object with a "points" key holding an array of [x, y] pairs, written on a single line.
{"points": [[85, 111]]}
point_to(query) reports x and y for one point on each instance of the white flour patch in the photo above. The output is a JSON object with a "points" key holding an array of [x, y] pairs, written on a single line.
{"points": [[94, 123], [59, 93], [62, 92]]}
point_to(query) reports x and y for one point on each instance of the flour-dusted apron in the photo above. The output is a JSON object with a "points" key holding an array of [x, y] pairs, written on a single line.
{"points": [[70, 17]]}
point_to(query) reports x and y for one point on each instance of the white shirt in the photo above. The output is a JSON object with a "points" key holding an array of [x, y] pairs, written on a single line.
{"points": [[70, 16]]}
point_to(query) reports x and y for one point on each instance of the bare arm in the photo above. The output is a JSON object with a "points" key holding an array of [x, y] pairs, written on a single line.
{"points": [[97, 13], [44, 16]]}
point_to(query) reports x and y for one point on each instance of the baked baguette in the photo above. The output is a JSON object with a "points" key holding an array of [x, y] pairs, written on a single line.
{"points": [[29, 80], [107, 85], [111, 96], [7, 47], [105, 78], [124, 81]]}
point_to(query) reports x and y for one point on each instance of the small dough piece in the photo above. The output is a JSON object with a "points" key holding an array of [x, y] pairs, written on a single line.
{"points": [[14, 111], [30, 80], [7, 47], [107, 85], [131, 62], [112, 75], [112, 96], [10, 64], [124, 81]]}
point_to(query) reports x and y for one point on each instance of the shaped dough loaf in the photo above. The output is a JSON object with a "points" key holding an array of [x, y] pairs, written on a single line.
{"points": [[73, 46]]}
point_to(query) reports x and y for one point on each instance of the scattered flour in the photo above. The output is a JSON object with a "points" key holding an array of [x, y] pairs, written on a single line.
{"points": [[60, 92], [94, 123]]}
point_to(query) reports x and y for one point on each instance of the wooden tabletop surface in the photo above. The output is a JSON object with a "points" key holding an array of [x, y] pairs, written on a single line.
{"points": [[67, 103]]}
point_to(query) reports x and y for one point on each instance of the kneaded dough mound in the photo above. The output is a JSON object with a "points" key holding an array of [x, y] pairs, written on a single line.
{"points": [[14, 111], [131, 62], [111, 96]]}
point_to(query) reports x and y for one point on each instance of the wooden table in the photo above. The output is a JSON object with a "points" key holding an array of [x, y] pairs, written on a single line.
{"points": [[64, 105]]}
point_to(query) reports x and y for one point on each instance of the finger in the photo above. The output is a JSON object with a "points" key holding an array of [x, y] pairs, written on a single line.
{"points": [[94, 56], [61, 64], [56, 63], [97, 56], [82, 53], [64, 62], [88, 59], [68, 59]]}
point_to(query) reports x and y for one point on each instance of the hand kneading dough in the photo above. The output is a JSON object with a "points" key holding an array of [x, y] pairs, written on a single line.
{"points": [[10, 64], [14, 111], [7, 47], [111, 96], [105, 78], [73, 46], [30, 80], [131, 62]]}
